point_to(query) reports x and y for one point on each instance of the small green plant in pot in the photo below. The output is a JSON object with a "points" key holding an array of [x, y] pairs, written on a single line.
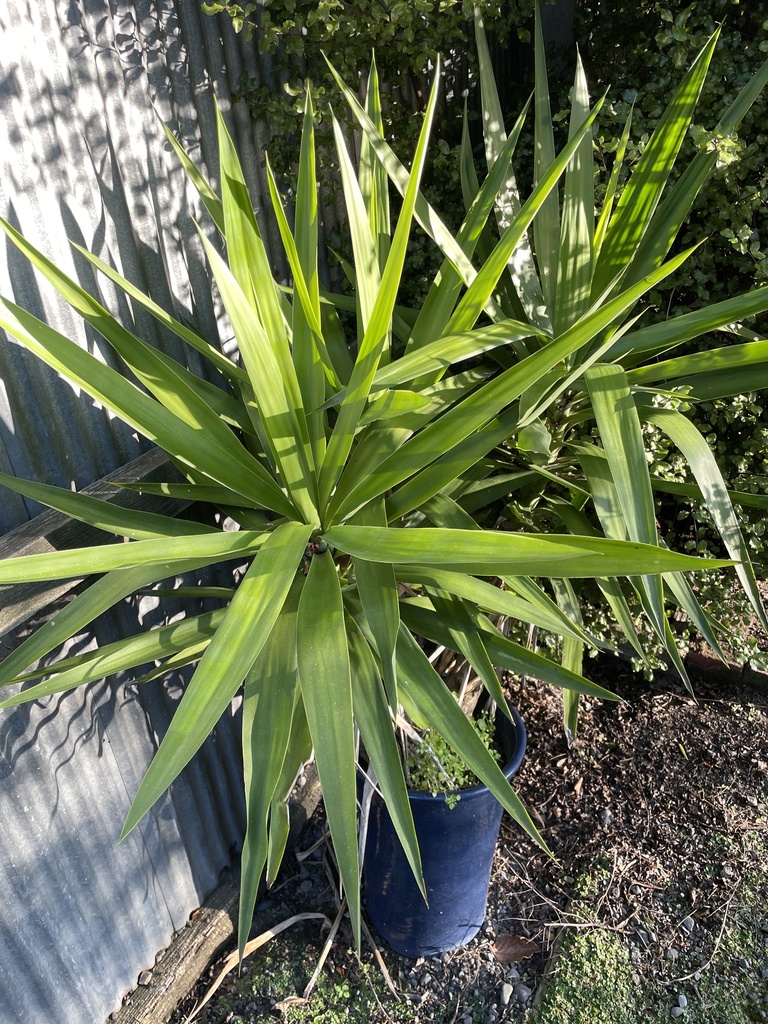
{"points": [[330, 463]]}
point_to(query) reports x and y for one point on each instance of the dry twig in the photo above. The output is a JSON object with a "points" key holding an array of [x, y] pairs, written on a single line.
{"points": [[250, 947]]}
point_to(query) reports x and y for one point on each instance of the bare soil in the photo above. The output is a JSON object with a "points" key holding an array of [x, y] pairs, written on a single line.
{"points": [[657, 817]]}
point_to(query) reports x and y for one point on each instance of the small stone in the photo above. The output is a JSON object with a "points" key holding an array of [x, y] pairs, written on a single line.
{"points": [[635, 890], [682, 1002], [512, 973], [687, 923], [671, 953], [743, 963], [426, 980], [697, 975], [507, 991], [467, 1020], [606, 816], [677, 1011], [145, 977], [523, 993], [445, 958]]}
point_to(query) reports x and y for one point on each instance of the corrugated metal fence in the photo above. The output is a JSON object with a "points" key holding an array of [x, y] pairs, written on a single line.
{"points": [[83, 156]]}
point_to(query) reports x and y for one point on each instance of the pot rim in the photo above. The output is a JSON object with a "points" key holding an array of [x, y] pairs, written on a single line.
{"points": [[508, 770]]}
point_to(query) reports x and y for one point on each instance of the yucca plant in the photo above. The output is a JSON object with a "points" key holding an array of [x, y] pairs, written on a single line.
{"points": [[335, 452], [585, 425], [578, 447]]}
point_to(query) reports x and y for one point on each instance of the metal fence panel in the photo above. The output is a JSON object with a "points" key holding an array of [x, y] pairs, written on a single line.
{"points": [[83, 156]]}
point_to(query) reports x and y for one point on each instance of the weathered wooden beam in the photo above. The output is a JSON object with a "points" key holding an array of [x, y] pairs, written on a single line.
{"points": [[54, 531]]}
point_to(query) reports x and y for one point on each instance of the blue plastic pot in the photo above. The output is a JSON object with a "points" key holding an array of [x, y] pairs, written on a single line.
{"points": [[457, 846]]}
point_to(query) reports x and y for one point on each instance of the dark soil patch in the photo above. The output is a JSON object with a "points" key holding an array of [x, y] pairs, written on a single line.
{"points": [[657, 818]]}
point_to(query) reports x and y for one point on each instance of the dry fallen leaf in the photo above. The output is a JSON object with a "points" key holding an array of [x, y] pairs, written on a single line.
{"points": [[511, 949]]}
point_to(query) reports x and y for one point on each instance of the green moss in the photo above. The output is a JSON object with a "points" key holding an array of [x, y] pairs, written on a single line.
{"points": [[593, 979], [592, 984]]}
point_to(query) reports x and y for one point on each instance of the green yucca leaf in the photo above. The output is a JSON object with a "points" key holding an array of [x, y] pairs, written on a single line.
{"points": [[613, 182], [488, 553], [427, 218], [372, 176], [268, 703], [284, 424], [546, 225], [443, 294], [471, 415], [118, 657], [209, 198], [187, 334], [461, 622], [105, 593], [209, 494], [372, 342], [621, 434], [422, 685], [449, 350], [105, 515], [312, 360], [571, 656], [478, 293], [642, 193], [228, 659], [489, 598], [674, 210], [326, 687], [298, 751], [576, 522], [247, 257], [419, 616], [693, 492], [639, 345], [78, 562], [232, 467], [367, 272], [575, 264], [373, 715], [508, 205], [377, 589], [710, 481], [180, 391]]}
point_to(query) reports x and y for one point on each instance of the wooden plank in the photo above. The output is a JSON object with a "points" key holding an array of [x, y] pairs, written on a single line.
{"points": [[54, 531]]}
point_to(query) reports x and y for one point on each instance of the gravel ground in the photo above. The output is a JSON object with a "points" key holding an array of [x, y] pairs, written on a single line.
{"points": [[658, 823]]}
